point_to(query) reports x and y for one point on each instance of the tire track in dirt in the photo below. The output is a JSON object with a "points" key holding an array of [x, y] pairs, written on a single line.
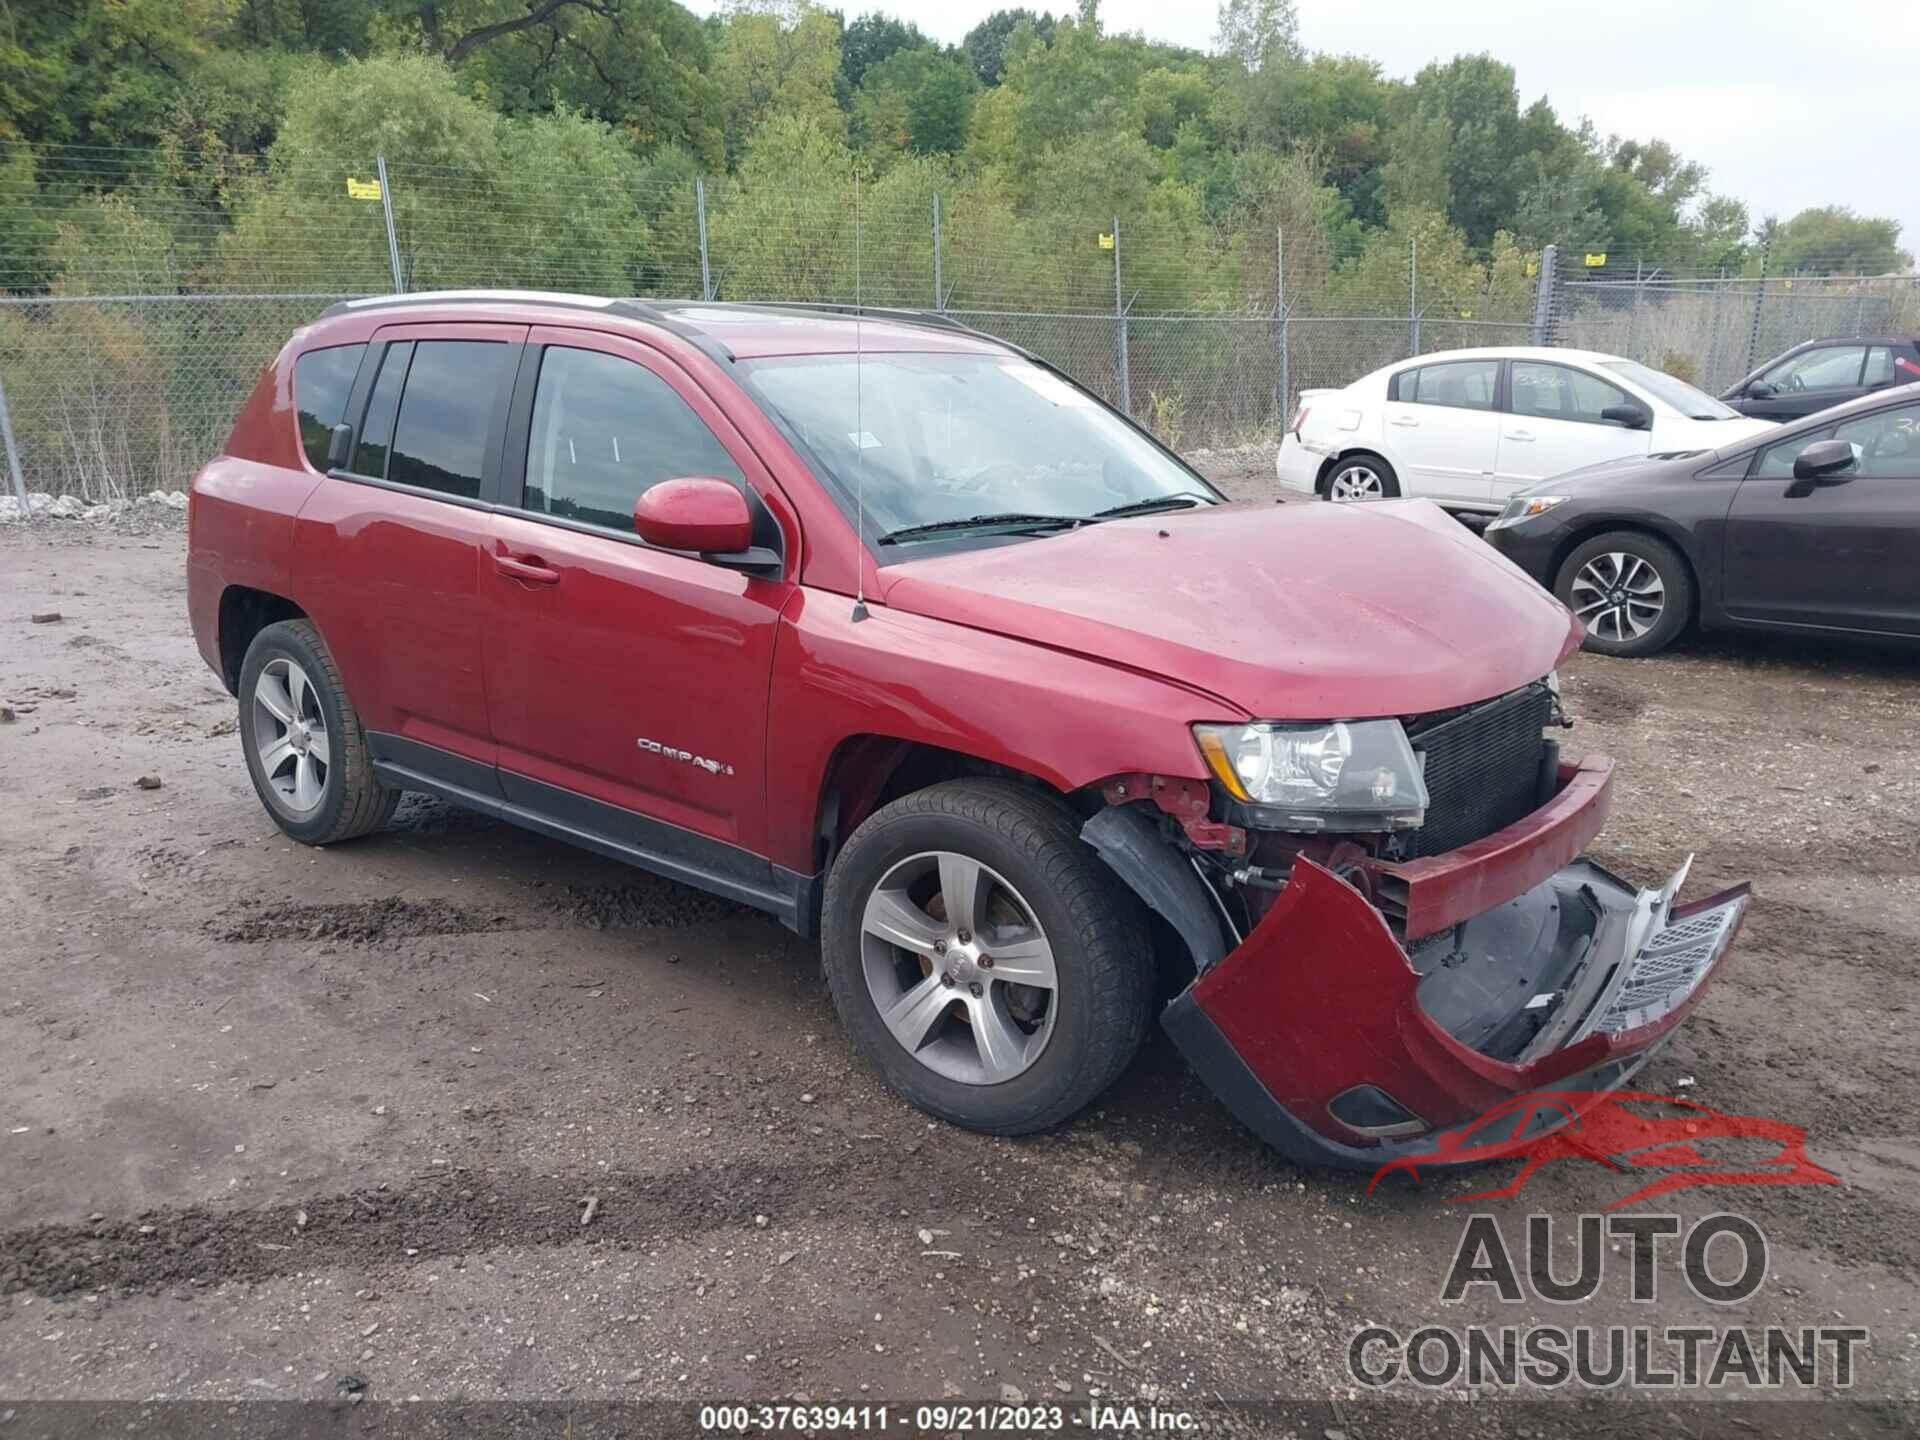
{"points": [[457, 1213], [397, 918]]}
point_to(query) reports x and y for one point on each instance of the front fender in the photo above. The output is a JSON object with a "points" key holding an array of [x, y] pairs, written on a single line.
{"points": [[1065, 719]]}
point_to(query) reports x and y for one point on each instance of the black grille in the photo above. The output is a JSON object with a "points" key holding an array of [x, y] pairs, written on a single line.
{"points": [[1482, 768]]}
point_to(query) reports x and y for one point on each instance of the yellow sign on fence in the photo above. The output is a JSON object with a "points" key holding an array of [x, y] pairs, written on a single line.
{"points": [[1106, 241], [1594, 262], [362, 189]]}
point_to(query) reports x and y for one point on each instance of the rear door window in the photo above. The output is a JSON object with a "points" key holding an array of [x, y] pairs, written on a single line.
{"points": [[1459, 384], [322, 381], [1879, 366], [446, 411]]}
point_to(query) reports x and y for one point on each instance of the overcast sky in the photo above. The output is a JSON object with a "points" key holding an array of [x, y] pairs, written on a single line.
{"points": [[1788, 103]]}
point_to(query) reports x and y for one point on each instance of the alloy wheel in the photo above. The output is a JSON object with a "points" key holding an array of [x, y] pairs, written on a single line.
{"points": [[1356, 482], [959, 968], [290, 735], [1618, 596]]}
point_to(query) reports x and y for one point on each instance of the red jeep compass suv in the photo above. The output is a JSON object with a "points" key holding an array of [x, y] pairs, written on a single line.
{"points": [[890, 629]]}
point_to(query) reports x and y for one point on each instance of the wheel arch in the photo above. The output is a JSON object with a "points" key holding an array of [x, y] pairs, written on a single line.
{"points": [[244, 613], [868, 770], [1325, 472]]}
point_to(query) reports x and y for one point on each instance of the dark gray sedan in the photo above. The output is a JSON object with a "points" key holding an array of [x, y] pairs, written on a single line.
{"points": [[1813, 528]]}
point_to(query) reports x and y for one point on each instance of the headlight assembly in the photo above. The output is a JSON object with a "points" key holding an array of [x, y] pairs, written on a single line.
{"points": [[1525, 507], [1357, 775]]}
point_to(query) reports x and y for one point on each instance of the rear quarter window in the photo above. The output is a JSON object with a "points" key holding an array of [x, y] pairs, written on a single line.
{"points": [[322, 380]]}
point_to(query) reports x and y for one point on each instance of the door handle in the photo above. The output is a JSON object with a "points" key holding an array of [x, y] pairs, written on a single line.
{"points": [[1407, 420], [1519, 435], [526, 567]]}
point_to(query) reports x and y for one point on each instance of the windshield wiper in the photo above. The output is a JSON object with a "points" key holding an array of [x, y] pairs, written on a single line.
{"points": [[1012, 521], [1182, 500]]}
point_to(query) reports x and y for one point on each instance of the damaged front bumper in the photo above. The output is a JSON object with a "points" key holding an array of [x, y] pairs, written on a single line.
{"points": [[1343, 1047]]}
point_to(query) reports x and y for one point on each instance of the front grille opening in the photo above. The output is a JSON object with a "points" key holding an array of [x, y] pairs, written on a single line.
{"points": [[1482, 766]]}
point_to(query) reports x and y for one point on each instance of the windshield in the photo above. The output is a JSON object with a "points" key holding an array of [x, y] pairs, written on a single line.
{"points": [[1694, 404], [939, 439]]}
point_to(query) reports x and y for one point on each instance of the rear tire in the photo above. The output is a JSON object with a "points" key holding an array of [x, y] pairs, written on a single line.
{"points": [[1009, 1058], [1358, 477], [1633, 592], [305, 748]]}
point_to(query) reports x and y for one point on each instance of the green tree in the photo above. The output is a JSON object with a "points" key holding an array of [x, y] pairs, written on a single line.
{"points": [[986, 43], [456, 30], [569, 217], [919, 100], [1659, 167], [448, 171], [1473, 101], [873, 38], [1337, 109], [1081, 83], [1833, 240], [1719, 231], [941, 108], [1450, 282], [785, 229], [644, 68], [1418, 172], [778, 58], [1167, 99], [1258, 33]]}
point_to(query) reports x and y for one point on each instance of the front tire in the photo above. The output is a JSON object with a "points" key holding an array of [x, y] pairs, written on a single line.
{"points": [[1359, 477], [1633, 592], [983, 959], [305, 748]]}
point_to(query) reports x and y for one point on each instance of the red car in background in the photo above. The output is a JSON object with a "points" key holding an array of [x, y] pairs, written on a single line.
{"points": [[891, 630]]}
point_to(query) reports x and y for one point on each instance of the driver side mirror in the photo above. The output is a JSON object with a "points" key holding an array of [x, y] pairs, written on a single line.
{"points": [[1823, 460], [1634, 417], [1761, 390]]}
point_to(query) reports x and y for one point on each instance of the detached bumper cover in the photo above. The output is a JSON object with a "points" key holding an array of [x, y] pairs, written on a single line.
{"points": [[1321, 998]]}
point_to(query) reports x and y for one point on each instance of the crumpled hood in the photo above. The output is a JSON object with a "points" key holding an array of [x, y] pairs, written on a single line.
{"points": [[1295, 612]]}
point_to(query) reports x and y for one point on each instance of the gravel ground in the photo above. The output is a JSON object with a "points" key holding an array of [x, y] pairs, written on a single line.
{"points": [[275, 1116]]}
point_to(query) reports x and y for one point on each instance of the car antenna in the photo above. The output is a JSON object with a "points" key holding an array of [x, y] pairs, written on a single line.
{"points": [[859, 430]]}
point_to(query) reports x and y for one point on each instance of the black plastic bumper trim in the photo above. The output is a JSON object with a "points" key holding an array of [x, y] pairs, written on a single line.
{"points": [[653, 845]]}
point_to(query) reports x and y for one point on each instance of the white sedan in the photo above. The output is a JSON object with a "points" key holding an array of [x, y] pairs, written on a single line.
{"points": [[1471, 428]]}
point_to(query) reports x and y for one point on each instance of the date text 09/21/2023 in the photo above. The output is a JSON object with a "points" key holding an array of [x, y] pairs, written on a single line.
{"points": [[948, 1416]]}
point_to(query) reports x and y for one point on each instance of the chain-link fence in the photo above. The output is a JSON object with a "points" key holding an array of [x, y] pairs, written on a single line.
{"points": [[141, 292], [1714, 328]]}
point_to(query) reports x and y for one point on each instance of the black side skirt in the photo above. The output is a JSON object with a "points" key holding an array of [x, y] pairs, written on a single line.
{"points": [[666, 850]]}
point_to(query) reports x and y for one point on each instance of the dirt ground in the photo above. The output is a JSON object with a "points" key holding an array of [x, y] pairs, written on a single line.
{"points": [[273, 1117]]}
